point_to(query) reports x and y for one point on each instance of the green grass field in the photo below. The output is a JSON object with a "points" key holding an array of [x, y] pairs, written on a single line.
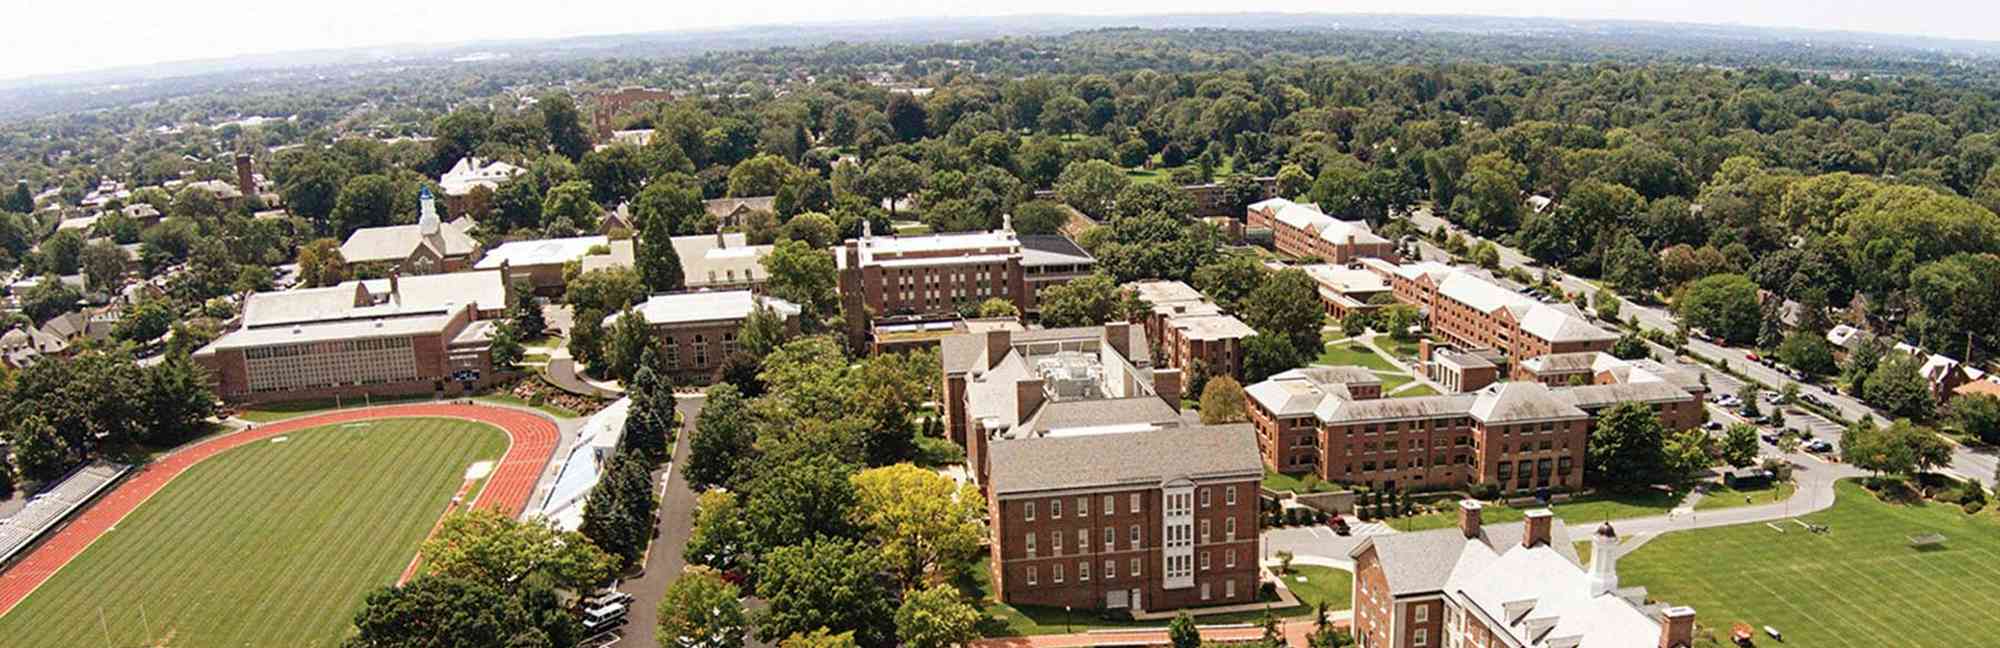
{"points": [[1722, 497], [1314, 584], [1003, 620], [1354, 354], [1578, 512], [269, 544], [1859, 585]]}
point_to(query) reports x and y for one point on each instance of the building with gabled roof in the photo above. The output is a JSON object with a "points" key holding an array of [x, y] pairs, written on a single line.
{"points": [[430, 246], [698, 329], [1304, 231], [1190, 332], [904, 279], [1470, 308], [473, 173], [1516, 585]]}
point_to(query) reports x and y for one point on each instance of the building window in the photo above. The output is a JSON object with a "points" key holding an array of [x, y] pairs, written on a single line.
{"points": [[1055, 509], [1204, 531], [1110, 569], [1083, 570], [1136, 571], [1110, 504], [1032, 580], [1031, 544], [1229, 588], [1229, 559], [1082, 506], [1136, 541], [1204, 561], [1082, 540], [1229, 529], [1110, 538], [1056, 573], [1204, 591], [1135, 502], [1204, 498], [1229, 496], [1028, 511], [1420, 637]]}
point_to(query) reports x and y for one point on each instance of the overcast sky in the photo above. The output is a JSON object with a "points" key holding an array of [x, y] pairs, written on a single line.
{"points": [[50, 36]]}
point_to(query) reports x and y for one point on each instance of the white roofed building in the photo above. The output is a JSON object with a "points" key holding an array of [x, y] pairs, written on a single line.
{"points": [[1305, 232], [1469, 308], [470, 173], [430, 246], [540, 261], [698, 329]]}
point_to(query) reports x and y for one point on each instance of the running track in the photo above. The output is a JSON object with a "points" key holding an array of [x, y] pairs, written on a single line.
{"points": [[531, 441]]}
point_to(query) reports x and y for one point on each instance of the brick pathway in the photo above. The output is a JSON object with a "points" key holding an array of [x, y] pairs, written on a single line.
{"points": [[532, 440]]}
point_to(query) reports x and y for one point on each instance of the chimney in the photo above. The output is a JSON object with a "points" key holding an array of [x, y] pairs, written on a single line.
{"points": [[1119, 336], [720, 242], [1469, 518], [245, 180], [395, 287], [1603, 560], [998, 342], [1536, 531], [1027, 397], [1678, 629], [1167, 385]]}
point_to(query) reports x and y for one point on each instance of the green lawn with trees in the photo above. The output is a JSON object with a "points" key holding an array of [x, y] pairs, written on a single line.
{"points": [[273, 543], [1859, 585]]}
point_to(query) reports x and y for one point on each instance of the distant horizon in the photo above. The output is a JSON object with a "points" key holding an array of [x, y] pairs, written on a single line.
{"points": [[24, 60]]}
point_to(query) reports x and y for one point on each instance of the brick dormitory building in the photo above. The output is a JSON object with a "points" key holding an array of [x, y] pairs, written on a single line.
{"points": [[1101, 494], [698, 329], [399, 335], [911, 279], [1305, 232], [1191, 332]]}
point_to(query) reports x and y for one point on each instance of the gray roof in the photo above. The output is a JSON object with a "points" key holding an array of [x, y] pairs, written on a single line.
{"points": [[707, 306], [1131, 459], [726, 206], [1071, 414], [435, 293], [396, 242], [732, 260], [1595, 396], [1415, 563], [1580, 361], [1050, 249], [1520, 401], [961, 353], [1299, 391]]}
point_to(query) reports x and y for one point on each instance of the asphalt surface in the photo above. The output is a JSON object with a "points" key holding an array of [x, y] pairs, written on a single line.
{"points": [[676, 520], [1967, 462]]}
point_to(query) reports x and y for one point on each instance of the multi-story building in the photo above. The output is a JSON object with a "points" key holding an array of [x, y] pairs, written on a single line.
{"points": [[541, 262], [1347, 290], [1189, 332], [430, 246], [1001, 383], [698, 329], [471, 173], [1132, 518], [1516, 436], [1305, 232], [901, 279], [606, 108], [1519, 584], [719, 261], [1468, 308], [400, 335]]}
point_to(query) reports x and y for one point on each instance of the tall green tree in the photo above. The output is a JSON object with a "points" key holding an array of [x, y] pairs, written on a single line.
{"points": [[702, 609], [723, 441], [1627, 446], [659, 265], [824, 583], [936, 616], [563, 125], [1725, 305], [924, 524], [364, 201]]}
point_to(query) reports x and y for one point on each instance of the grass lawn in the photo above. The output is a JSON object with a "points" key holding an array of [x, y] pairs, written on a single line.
{"points": [[270, 544], [1393, 379], [268, 412], [1860, 585], [1313, 584], [509, 398], [1002, 620], [1722, 497], [1588, 509], [1355, 354], [1419, 390], [1278, 481], [1399, 348]]}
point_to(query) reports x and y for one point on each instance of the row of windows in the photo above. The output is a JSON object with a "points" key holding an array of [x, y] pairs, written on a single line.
{"points": [[1111, 502], [1056, 574], [334, 363], [1137, 541]]}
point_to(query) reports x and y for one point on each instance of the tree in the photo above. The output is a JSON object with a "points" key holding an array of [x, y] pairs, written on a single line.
{"points": [[626, 343], [563, 125], [1899, 388], [505, 346], [1223, 401], [618, 513], [39, 453], [614, 172], [524, 312], [1687, 452], [1630, 347], [1286, 303], [888, 179], [494, 548], [824, 583], [721, 447], [48, 298], [804, 275], [997, 307], [320, 263], [1739, 445], [436, 611], [1039, 218], [819, 638], [936, 617], [1182, 633], [1626, 448], [1808, 352], [718, 537], [1268, 355], [604, 290], [145, 322], [1748, 394], [20, 200], [1088, 301], [1091, 185], [586, 337], [312, 192], [1725, 305], [364, 201], [799, 500], [62, 253], [1977, 415], [568, 209], [1229, 279], [923, 523], [701, 610]]}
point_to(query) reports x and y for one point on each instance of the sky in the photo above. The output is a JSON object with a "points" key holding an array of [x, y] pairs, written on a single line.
{"points": [[80, 35]]}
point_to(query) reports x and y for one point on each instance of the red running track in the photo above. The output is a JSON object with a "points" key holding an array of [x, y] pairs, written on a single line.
{"points": [[531, 442]]}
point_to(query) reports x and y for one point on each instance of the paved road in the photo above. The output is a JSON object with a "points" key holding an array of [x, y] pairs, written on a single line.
{"points": [[1972, 463], [664, 562]]}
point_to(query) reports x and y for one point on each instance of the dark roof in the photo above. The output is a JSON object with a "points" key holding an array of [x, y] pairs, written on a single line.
{"points": [[1050, 249], [1420, 562], [1129, 459]]}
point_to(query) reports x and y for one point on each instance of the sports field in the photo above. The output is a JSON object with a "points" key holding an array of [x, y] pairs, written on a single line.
{"points": [[270, 544], [1860, 585]]}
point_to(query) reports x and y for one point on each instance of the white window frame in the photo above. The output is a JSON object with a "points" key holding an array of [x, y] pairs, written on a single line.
{"points": [[1083, 506], [1056, 573], [1082, 571], [1028, 511], [1204, 498], [1135, 502], [1420, 637], [1420, 613], [1055, 509], [1229, 496], [1031, 544], [1110, 569]]}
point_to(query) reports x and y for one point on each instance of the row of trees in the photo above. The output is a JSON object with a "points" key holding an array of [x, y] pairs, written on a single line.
{"points": [[64, 413]]}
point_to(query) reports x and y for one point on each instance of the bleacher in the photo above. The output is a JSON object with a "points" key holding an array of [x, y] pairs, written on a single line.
{"points": [[50, 508]]}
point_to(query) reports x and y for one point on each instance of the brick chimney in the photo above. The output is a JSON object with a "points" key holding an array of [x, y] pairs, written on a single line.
{"points": [[245, 181], [1167, 384], [1469, 518], [1537, 525], [1119, 336], [1027, 398], [998, 342], [1677, 630]]}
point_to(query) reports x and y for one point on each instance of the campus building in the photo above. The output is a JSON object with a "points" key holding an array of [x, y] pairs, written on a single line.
{"points": [[698, 329], [1471, 310], [1520, 584], [1189, 332], [1332, 422], [400, 335], [428, 247], [540, 262], [1346, 290], [1002, 382], [1125, 517], [902, 279], [471, 173], [1305, 232], [719, 261]]}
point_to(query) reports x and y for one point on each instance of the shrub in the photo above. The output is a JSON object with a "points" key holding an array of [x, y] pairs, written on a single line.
{"points": [[1973, 508]]}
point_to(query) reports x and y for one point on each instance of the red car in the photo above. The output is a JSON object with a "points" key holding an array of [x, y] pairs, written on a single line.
{"points": [[1753, 357]]}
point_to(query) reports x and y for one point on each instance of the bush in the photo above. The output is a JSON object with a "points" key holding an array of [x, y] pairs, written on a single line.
{"points": [[1973, 508]]}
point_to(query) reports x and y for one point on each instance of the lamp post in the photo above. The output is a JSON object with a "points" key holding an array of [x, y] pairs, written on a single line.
{"points": [[1066, 619]]}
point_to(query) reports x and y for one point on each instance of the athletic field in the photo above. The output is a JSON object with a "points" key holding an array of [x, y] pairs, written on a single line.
{"points": [[274, 543]]}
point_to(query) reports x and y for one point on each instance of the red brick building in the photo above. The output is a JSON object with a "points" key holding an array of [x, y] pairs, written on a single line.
{"points": [[401, 335], [431, 246], [698, 329], [1305, 232], [1144, 520], [1503, 585], [900, 279], [1347, 290], [606, 108], [1469, 309], [1190, 332]]}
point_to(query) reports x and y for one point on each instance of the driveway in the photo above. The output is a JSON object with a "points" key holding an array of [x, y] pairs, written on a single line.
{"points": [[663, 560]]}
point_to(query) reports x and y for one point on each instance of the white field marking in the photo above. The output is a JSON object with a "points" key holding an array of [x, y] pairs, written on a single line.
{"points": [[479, 470], [280, 439]]}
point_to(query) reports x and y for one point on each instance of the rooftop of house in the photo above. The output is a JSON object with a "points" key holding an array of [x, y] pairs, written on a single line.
{"points": [[720, 207], [1123, 459], [541, 251], [473, 172], [730, 259], [711, 306], [1552, 322], [396, 242], [1294, 393], [1345, 280], [1210, 326], [928, 249], [1309, 218], [389, 325]]}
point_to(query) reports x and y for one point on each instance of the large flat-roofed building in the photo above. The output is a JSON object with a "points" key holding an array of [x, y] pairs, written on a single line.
{"points": [[540, 262], [1305, 232], [698, 329], [400, 335], [1516, 436], [720, 261], [1125, 517], [1001, 383], [1469, 308], [430, 246], [897, 279], [1519, 584], [1190, 332], [1346, 289]]}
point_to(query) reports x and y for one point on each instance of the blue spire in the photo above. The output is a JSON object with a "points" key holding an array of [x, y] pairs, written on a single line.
{"points": [[423, 193]]}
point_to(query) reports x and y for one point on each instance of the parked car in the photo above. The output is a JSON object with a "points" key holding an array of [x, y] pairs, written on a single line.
{"points": [[1818, 445], [1769, 436], [1810, 398], [1339, 525], [1752, 356], [1712, 425]]}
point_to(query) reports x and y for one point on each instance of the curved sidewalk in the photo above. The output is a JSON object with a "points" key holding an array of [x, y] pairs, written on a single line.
{"points": [[532, 440]]}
